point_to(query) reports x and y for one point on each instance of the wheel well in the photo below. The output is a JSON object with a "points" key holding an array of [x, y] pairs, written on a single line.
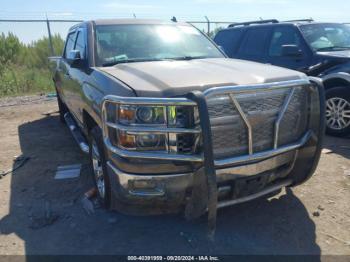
{"points": [[335, 82], [89, 122]]}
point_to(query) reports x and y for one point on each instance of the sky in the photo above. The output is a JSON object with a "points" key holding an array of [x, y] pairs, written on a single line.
{"points": [[190, 10]]}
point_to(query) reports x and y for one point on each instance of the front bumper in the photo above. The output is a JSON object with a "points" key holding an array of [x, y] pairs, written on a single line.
{"points": [[159, 194]]}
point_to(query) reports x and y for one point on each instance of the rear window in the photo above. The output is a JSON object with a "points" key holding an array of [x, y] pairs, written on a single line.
{"points": [[254, 42], [229, 40]]}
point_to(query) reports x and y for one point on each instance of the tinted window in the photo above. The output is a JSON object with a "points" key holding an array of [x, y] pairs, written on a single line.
{"points": [[70, 43], [80, 44], [229, 40], [283, 36], [254, 42]]}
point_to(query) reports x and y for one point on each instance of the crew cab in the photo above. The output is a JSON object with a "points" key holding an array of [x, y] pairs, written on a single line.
{"points": [[317, 49], [173, 125]]}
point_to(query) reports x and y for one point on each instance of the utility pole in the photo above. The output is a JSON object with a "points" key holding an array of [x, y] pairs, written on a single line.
{"points": [[208, 24], [50, 37]]}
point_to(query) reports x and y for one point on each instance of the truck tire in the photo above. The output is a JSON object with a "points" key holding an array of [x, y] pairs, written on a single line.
{"points": [[98, 166], [61, 108], [338, 111]]}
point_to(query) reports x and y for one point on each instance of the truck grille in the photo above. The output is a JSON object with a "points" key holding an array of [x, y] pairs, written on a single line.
{"points": [[230, 132]]}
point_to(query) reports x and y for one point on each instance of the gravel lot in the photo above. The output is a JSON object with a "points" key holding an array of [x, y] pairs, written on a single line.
{"points": [[40, 215]]}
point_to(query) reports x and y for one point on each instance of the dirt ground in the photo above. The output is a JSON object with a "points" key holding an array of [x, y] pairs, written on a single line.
{"points": [[41, 215]]}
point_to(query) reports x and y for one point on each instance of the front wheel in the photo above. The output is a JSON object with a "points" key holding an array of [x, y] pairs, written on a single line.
{"points": [[338, 111], [98, 166]]}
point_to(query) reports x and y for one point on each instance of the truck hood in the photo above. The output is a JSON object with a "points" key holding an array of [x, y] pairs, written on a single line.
{"points": [[173, 78], [340, 54]]}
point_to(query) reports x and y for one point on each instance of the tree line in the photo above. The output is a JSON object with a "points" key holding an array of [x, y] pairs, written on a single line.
{"points": [[24, 68]]}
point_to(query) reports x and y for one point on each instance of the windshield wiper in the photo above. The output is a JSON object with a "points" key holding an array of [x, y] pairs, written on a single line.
{"points": [[115, 62], [332, 48], [112, 63], [187, 57]]}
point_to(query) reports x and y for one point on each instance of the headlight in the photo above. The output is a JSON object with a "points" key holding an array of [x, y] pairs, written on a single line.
{"points": [[142, 142], [148, 116], [152, 115]]}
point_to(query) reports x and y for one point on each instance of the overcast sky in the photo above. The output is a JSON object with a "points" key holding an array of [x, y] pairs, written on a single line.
{"points": [[219, 10]]}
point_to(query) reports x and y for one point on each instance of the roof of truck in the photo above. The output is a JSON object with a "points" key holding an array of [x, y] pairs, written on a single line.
{"points": [[133, 21], [129, 21]]}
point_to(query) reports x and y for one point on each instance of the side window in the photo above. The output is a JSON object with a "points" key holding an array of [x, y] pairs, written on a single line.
{"points": [[254, 42], [229, 40], [69, 44], [80, 44], [283, 36]]}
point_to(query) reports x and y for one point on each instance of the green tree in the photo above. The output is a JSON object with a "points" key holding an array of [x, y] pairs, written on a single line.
{"points": [[9, 50], [25, 68]]}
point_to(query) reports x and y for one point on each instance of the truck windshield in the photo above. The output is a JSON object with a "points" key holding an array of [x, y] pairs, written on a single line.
{"points": [[151, 42], [327, 37]]}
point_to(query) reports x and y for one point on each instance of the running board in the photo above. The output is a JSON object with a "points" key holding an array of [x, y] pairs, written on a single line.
{"points": [[78, 136]]}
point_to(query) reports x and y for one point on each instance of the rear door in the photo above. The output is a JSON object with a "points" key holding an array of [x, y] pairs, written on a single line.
{"points": [[287, 35], [254, 44], [229, 39]]}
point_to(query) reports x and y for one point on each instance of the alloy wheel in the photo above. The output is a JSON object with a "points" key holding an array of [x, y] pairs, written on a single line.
{"points": [[337, 113], [98, 171]]}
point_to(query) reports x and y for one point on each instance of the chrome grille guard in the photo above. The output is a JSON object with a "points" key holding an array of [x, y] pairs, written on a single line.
{"points": [[229, 90], [209, 196]]}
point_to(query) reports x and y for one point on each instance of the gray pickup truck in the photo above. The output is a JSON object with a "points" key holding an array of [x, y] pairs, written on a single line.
{"points": [[171, 124]]}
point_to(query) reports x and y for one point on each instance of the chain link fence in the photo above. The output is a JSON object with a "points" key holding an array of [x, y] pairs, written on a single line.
{"points": [[29, 30]]}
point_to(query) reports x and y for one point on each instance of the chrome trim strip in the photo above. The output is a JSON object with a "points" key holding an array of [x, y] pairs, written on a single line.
{"points": [[255, 88], [256, 195], [148, 193], [153, 130], [281, 115], [199, 158], [262, 155], [256, 168], [149, 101], [152, 155], [246, 121], [172, 142]]}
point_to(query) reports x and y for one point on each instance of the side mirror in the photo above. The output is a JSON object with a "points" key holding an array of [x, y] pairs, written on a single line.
{"points": [[291, 51], [74, 57]]}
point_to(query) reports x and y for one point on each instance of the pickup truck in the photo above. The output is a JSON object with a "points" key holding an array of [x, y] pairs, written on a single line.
{"points": [[173, 125]]}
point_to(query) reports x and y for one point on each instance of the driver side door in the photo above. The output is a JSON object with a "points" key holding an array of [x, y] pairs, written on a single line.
{"points": [[288, 35]]}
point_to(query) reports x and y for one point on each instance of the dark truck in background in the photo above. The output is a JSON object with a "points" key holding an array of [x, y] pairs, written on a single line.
{"points": [[171, 124], [316, 49]]}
